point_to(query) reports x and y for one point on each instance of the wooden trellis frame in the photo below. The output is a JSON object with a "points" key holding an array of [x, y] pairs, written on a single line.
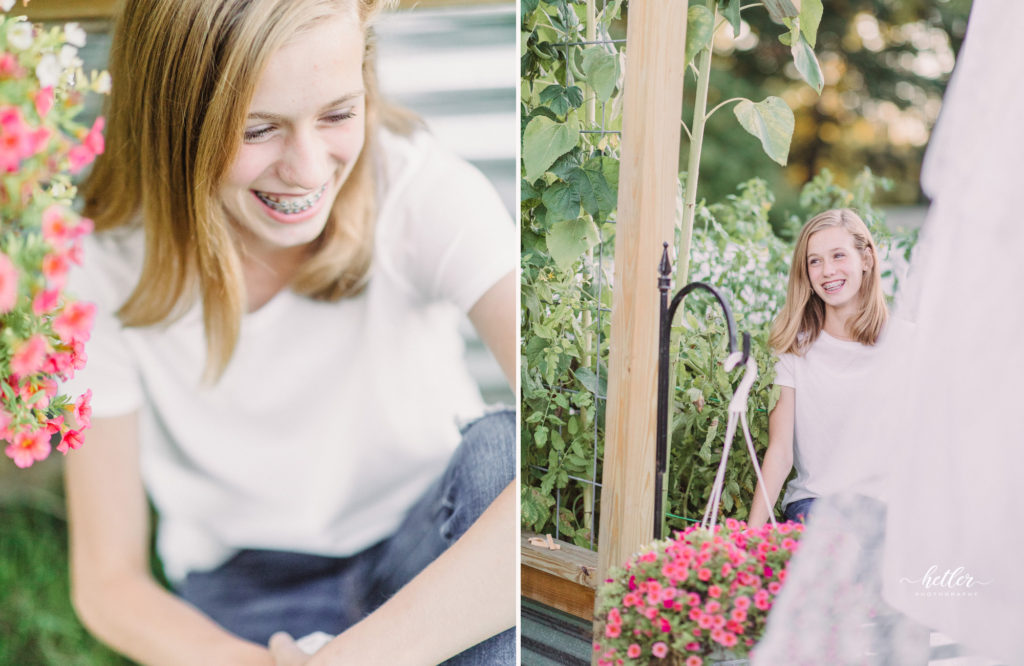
{"points": [[652, 109]]}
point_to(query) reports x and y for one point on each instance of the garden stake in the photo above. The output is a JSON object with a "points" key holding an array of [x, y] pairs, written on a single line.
{"points": [[668, 311]]}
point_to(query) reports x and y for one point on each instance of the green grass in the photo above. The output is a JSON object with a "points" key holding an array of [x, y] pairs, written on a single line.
{"points": [[37, 624]]}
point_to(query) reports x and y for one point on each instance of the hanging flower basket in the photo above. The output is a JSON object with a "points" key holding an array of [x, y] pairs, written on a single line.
{"points": [[42, 329], [697, 599]]}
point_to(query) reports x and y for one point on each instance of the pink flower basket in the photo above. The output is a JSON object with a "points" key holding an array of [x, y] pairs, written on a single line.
{"points": [[699, 598], [42, 329]]}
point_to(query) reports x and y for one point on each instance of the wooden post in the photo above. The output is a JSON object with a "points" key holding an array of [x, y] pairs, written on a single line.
{"points": [[652, 108]]}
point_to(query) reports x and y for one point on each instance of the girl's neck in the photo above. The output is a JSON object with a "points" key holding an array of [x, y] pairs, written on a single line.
{"points": [[836, 323]]}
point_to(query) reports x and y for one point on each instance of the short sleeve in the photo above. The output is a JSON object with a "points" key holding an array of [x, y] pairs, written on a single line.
{"points": [[785, 370], [105, 279], [456, 237]]}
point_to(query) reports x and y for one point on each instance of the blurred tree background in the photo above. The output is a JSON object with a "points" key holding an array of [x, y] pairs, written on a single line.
{"points": [[885, 64]]}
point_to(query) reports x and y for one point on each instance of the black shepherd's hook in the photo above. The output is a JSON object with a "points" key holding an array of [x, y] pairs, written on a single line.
{"points": [[667, 313]]}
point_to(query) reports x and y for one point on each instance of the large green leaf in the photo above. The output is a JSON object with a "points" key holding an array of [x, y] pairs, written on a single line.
{"points": [[732, 13], [806, 63], [810, 19], [700, 25], [544, 141], [562, 201], [569, 239], [771, 121], [601, 70], [781, 9], [560, 99], [596, 197]]}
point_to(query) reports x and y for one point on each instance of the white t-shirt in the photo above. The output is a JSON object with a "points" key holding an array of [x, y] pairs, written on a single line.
{"points": [[332, 418], [837, 384]]}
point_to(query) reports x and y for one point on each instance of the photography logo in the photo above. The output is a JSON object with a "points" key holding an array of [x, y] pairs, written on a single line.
{"points": [[952, 582]]}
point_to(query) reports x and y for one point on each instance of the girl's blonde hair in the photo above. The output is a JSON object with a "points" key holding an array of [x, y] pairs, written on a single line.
{"points": [[803, 316], [184, 73]]}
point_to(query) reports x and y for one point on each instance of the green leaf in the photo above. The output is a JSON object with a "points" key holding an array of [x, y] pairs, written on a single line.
{"points": [[781, 9], [569, 239], [807, 64], [544, 141], [732, 13], [771, 121], [540, 436], [560, 99], [597, 198], [557, 443], [810, 19], [591, 382], [562, 201], [700, 25], [601, 70]]}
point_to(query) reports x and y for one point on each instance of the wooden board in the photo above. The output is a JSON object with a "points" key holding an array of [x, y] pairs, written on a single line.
{"points": [[564, 579], [652, 108]]}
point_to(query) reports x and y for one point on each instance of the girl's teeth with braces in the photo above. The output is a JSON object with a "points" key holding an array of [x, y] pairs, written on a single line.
{"points": [[291, 206], [833, 286]]}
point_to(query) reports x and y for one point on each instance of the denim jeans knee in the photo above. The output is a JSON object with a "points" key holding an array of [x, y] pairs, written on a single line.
{"points": [[481, 467]]}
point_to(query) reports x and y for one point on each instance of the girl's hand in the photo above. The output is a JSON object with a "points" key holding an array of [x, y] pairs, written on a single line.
{"points": [[285, 651]]}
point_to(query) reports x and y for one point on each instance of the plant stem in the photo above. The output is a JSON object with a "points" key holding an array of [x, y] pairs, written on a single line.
{"points": [[700, 104], [720, 105], [587, 321]]}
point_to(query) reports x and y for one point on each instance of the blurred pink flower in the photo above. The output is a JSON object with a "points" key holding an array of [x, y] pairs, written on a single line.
{"points": [[72, 440], [29, 357], [44, 101], [8, 284], [75, 322], [45, 301], [633, 651], [659, 650], [28, 447]]}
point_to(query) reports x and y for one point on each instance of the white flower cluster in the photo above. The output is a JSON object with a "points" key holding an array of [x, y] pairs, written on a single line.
{"points": [[746, 271]]}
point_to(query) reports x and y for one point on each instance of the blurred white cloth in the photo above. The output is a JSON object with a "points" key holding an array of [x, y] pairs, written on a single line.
{"points": [[948, 440]]}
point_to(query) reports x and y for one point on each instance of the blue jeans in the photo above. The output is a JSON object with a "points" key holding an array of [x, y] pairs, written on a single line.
{"points": [[799, 510], [260, 592]]}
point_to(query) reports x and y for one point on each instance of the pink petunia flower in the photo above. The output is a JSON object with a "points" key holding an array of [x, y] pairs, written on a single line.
{"points": [[694, 660], [612, 631], [29, 447], [94, 139], [704, 574], [8, 284], [44, 101], [58, 229], [83, 414], [28, 359], [55, 269], [80, 157], [75, 322], [633, 651], [72, 440], [659, 650], [45, 301]]}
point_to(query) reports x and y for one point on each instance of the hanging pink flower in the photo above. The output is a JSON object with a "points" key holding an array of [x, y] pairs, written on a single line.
{"points": [[29, 357], [44, 101], [45, 301], [659, 650], [75, 322], [83, 410], [8, 284], [29, 447], [94, 139], [72, 440], [58, 227], [55, 269]]}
